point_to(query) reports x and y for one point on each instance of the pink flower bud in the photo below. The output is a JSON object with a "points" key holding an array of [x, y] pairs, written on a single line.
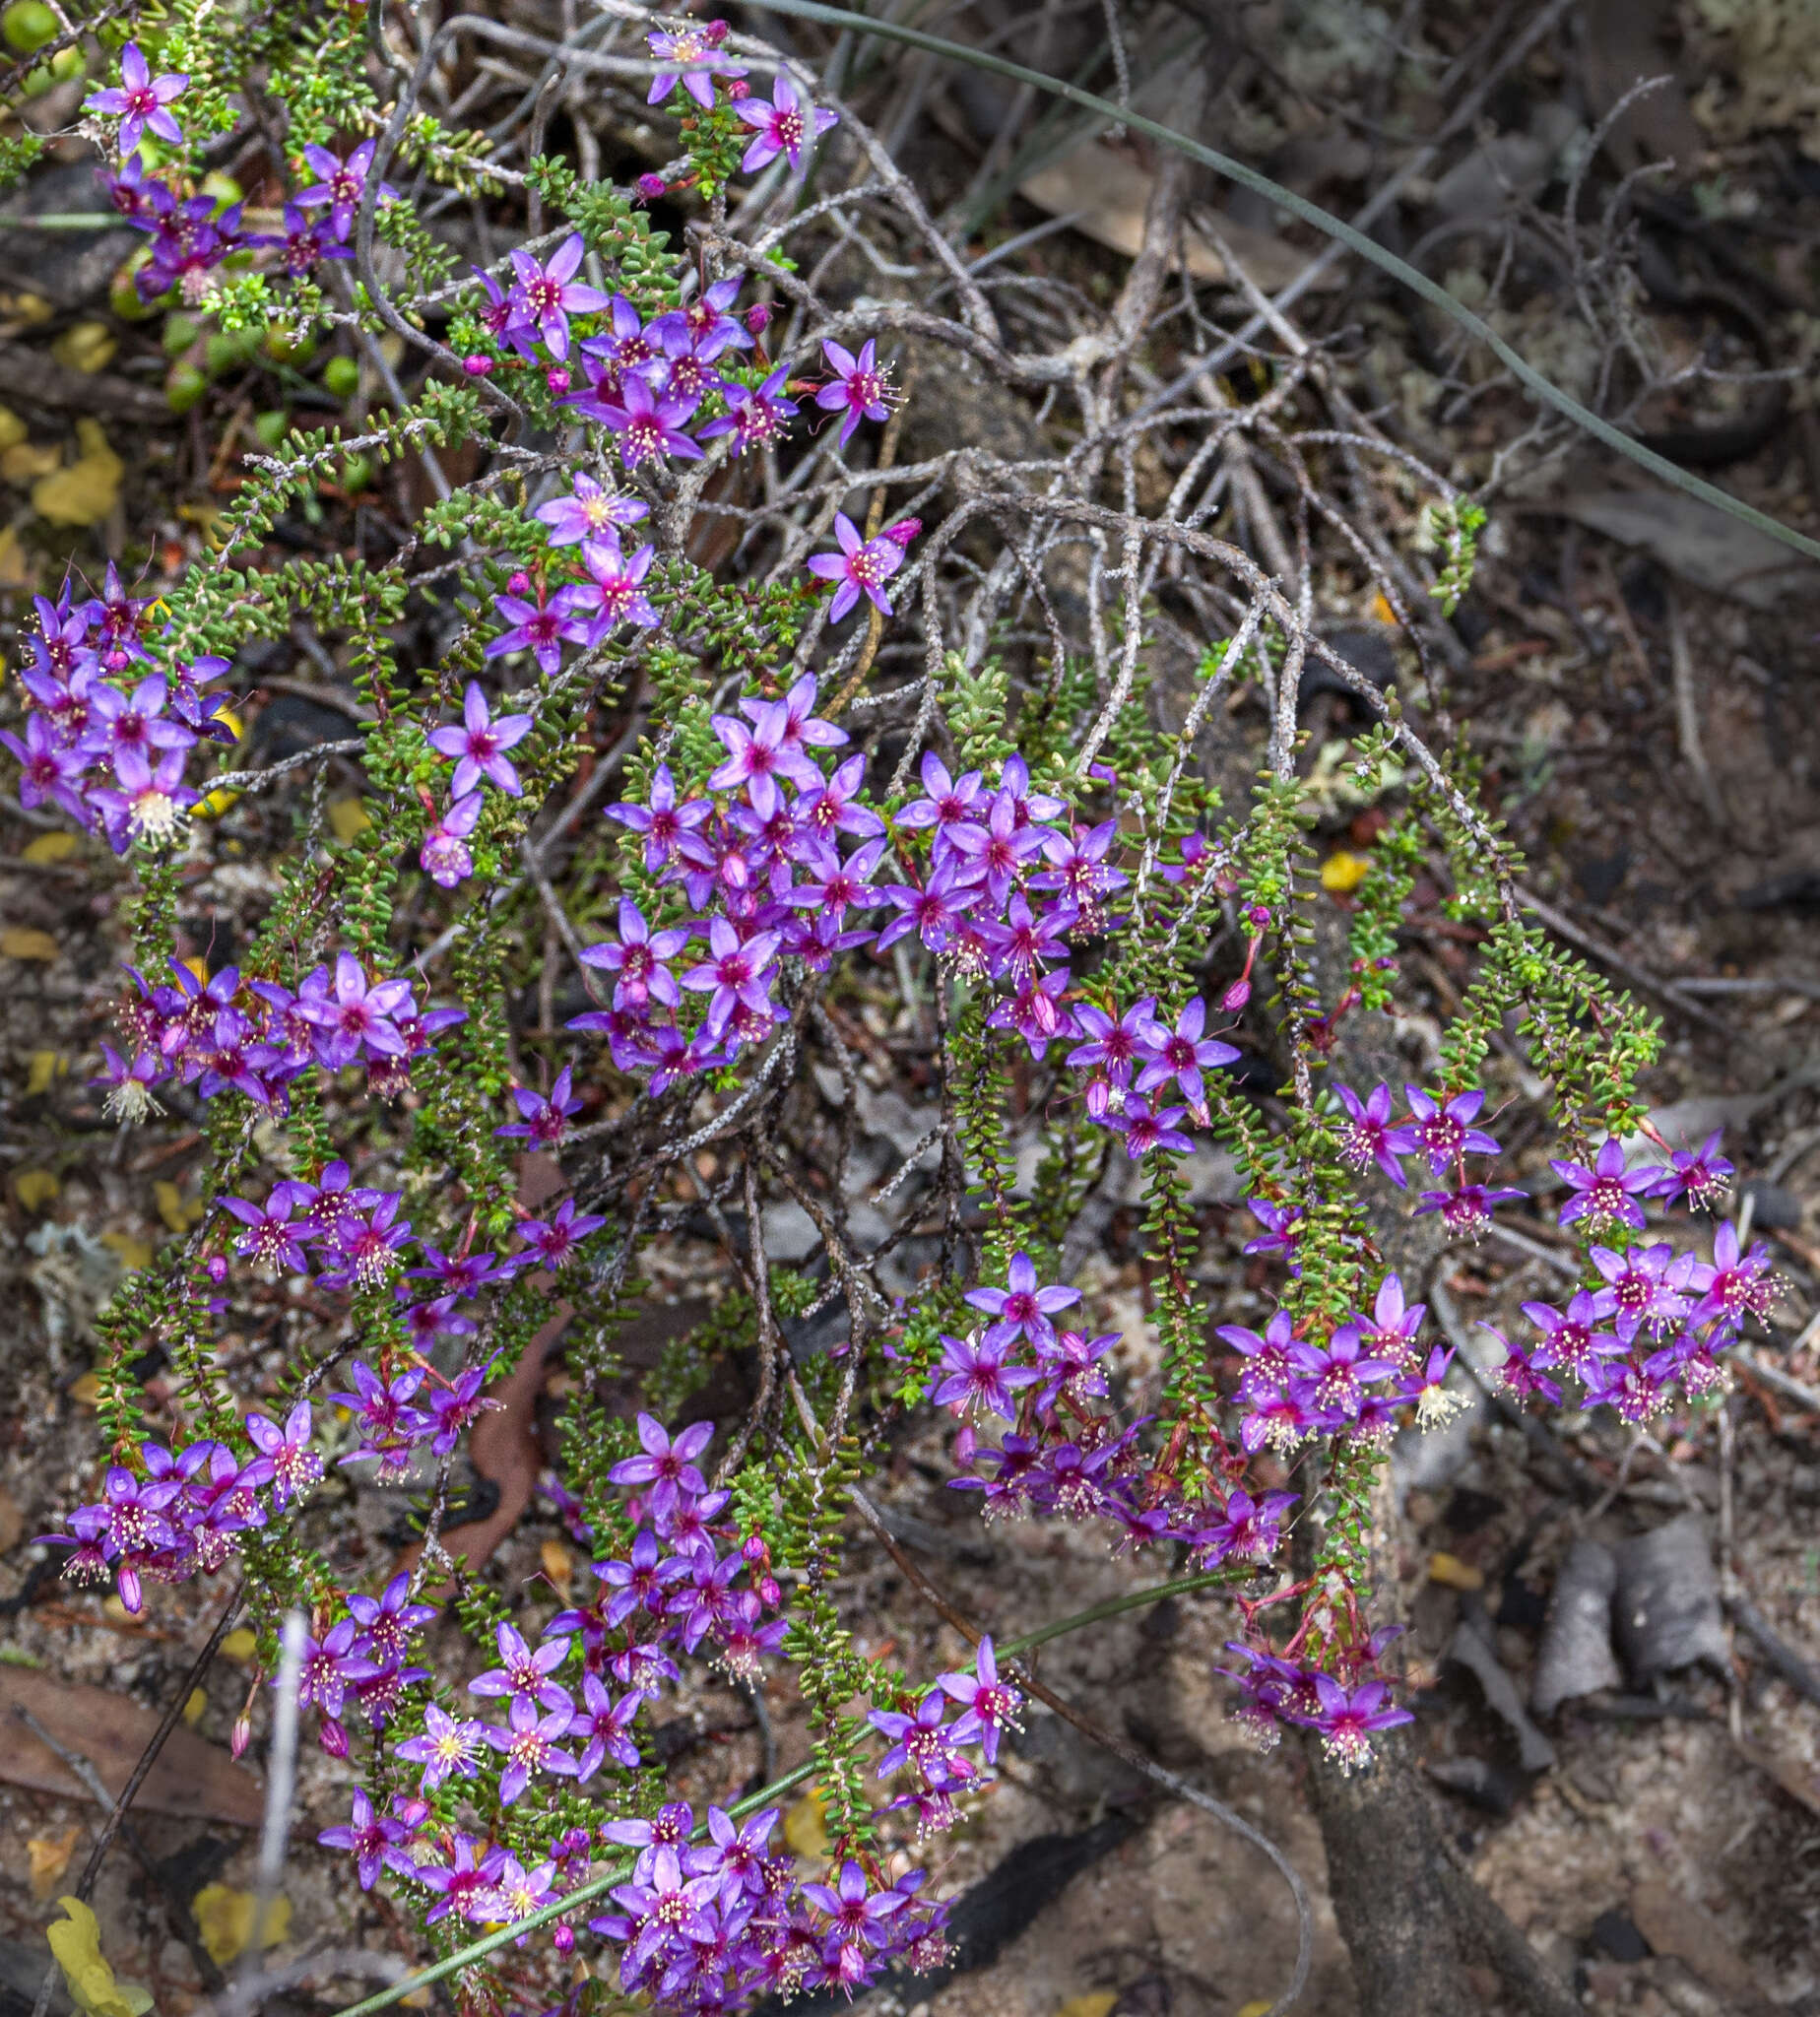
{"points": [[1258, 914], [651, 187], [738, 87], [217, 1269], [965, 1443], [759, 318], [241, 1734], [520, 583], [563, 1939], [903, 532], [1235, 997], [1099, 1099], [715, 33], [753, 1549], [332, 1737], [478, 365], [558, 379], [769, 1595]]}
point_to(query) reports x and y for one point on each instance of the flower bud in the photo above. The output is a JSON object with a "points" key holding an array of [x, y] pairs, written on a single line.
{"points": [[966, 1441], [1099, 1099], [738, 87], [241, 1735], [520, 583], [753, 1549], [332, 1737], [563, 1939], [478, 365], [409, 1809], [1235, 997], [1258, 915], [216, 1269], [903, 532], [715, 33], [651, 187], [759, 318], [769, 1595], [558, 379]]}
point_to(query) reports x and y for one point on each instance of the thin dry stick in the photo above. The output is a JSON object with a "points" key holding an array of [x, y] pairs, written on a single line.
{"points": [[1687, 717], [117, 1819], [1127, 1753], [281, 1783]]}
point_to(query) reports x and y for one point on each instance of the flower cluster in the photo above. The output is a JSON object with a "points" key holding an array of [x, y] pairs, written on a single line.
{"points": [[258, 1037], [107, 730], [702, 1924], [193, 234]]}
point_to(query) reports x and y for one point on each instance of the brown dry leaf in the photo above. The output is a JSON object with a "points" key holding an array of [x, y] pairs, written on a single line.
{"points": [[1456, 1574], [48, 1856], [23, 462], [85, 1391], [1107, 194], [86, 492], [348, 818], [13, 429], [133, 1253], [805, 1827], [49, 847], [1674, 1924], [192, 1778], [16, 568], [11, 1521], [1800, 1781], [178, 1212], [559, 1566], [225, 1920], [1095, 2003], [36, 1189], [41, 1069], [241, 1644], [85, 347], [21, 941]]}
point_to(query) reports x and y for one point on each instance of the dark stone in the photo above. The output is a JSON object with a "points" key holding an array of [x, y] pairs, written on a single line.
{"points": [[1369, 648], [1614, 1935], [1799, 889], [1775, 1207], [1665, 1607], [1600, 878], [1576, 1656], [1466, 1511], [1488, 1786]]}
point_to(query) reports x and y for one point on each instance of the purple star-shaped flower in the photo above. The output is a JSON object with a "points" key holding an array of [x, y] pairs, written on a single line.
{"points": [[480, 745], [690, 58], [1369, 1137], [1608, 1193], [861, 567], [549, 293], [140, 100], [587, 513], [648, 425], [615, 585], [667, 1465], [372, 1840], [738, 973], [1022, 1308], [858, 385], [1181, 1054], [977, 1375], [541, 628], [343, 184], [786, 125]]}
